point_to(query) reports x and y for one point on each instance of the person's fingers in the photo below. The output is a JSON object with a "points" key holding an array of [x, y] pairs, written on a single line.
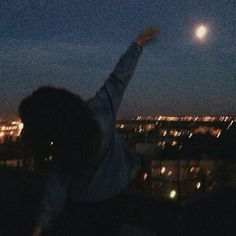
{"points": [[152, 30], [147, 35], [150, 33]]}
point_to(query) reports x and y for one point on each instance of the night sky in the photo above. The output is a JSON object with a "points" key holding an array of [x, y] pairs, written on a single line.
{"points": [[75, 44]]}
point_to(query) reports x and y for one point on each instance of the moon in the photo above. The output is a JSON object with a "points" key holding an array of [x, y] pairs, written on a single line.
{"points": [[201, 32]]}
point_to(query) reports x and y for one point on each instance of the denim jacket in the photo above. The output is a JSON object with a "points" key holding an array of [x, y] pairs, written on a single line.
{"points": [[117, 166]]}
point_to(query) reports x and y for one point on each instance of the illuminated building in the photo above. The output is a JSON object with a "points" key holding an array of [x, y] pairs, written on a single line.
{"points": [[10, 129]]}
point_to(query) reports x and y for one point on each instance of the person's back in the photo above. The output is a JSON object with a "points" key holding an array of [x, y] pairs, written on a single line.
{"points": [[92, 163]]}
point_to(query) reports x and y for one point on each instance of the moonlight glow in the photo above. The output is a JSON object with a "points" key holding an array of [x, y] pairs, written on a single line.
{"points": [[201, 32]]}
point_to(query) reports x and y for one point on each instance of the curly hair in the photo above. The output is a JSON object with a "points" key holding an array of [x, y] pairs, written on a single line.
{"points": [[55, 115]]}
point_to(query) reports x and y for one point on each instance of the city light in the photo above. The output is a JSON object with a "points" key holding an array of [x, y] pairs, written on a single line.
{"points": [[208, 172], [188, 118], [11, 129], [176, 133], [230, 125], [198, 185], [174, 143], [145, 176], [172, 194], [21, 126], [163, 170]]}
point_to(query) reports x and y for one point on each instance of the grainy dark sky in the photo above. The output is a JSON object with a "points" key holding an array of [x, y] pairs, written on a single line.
{"points": [[75, 44]]}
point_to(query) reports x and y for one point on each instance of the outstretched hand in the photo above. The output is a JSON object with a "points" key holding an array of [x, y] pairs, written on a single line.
{"points": [[147, 35]]}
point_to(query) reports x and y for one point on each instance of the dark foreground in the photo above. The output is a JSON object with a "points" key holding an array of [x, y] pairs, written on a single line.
{"points": [[127, 214]]}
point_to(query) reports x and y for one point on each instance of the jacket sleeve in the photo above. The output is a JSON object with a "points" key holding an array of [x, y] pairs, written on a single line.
{"points": [[111, 93], [53, 199]]}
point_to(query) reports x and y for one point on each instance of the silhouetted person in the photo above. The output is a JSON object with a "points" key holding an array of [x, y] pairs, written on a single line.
{"points": [[92, 162]]}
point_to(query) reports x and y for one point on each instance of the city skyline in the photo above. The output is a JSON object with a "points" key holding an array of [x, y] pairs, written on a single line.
{"points": [[185, 118], [76, 45]]}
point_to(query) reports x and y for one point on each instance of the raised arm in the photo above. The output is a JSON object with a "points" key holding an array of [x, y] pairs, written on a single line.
{"points": [[111, 93]]}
